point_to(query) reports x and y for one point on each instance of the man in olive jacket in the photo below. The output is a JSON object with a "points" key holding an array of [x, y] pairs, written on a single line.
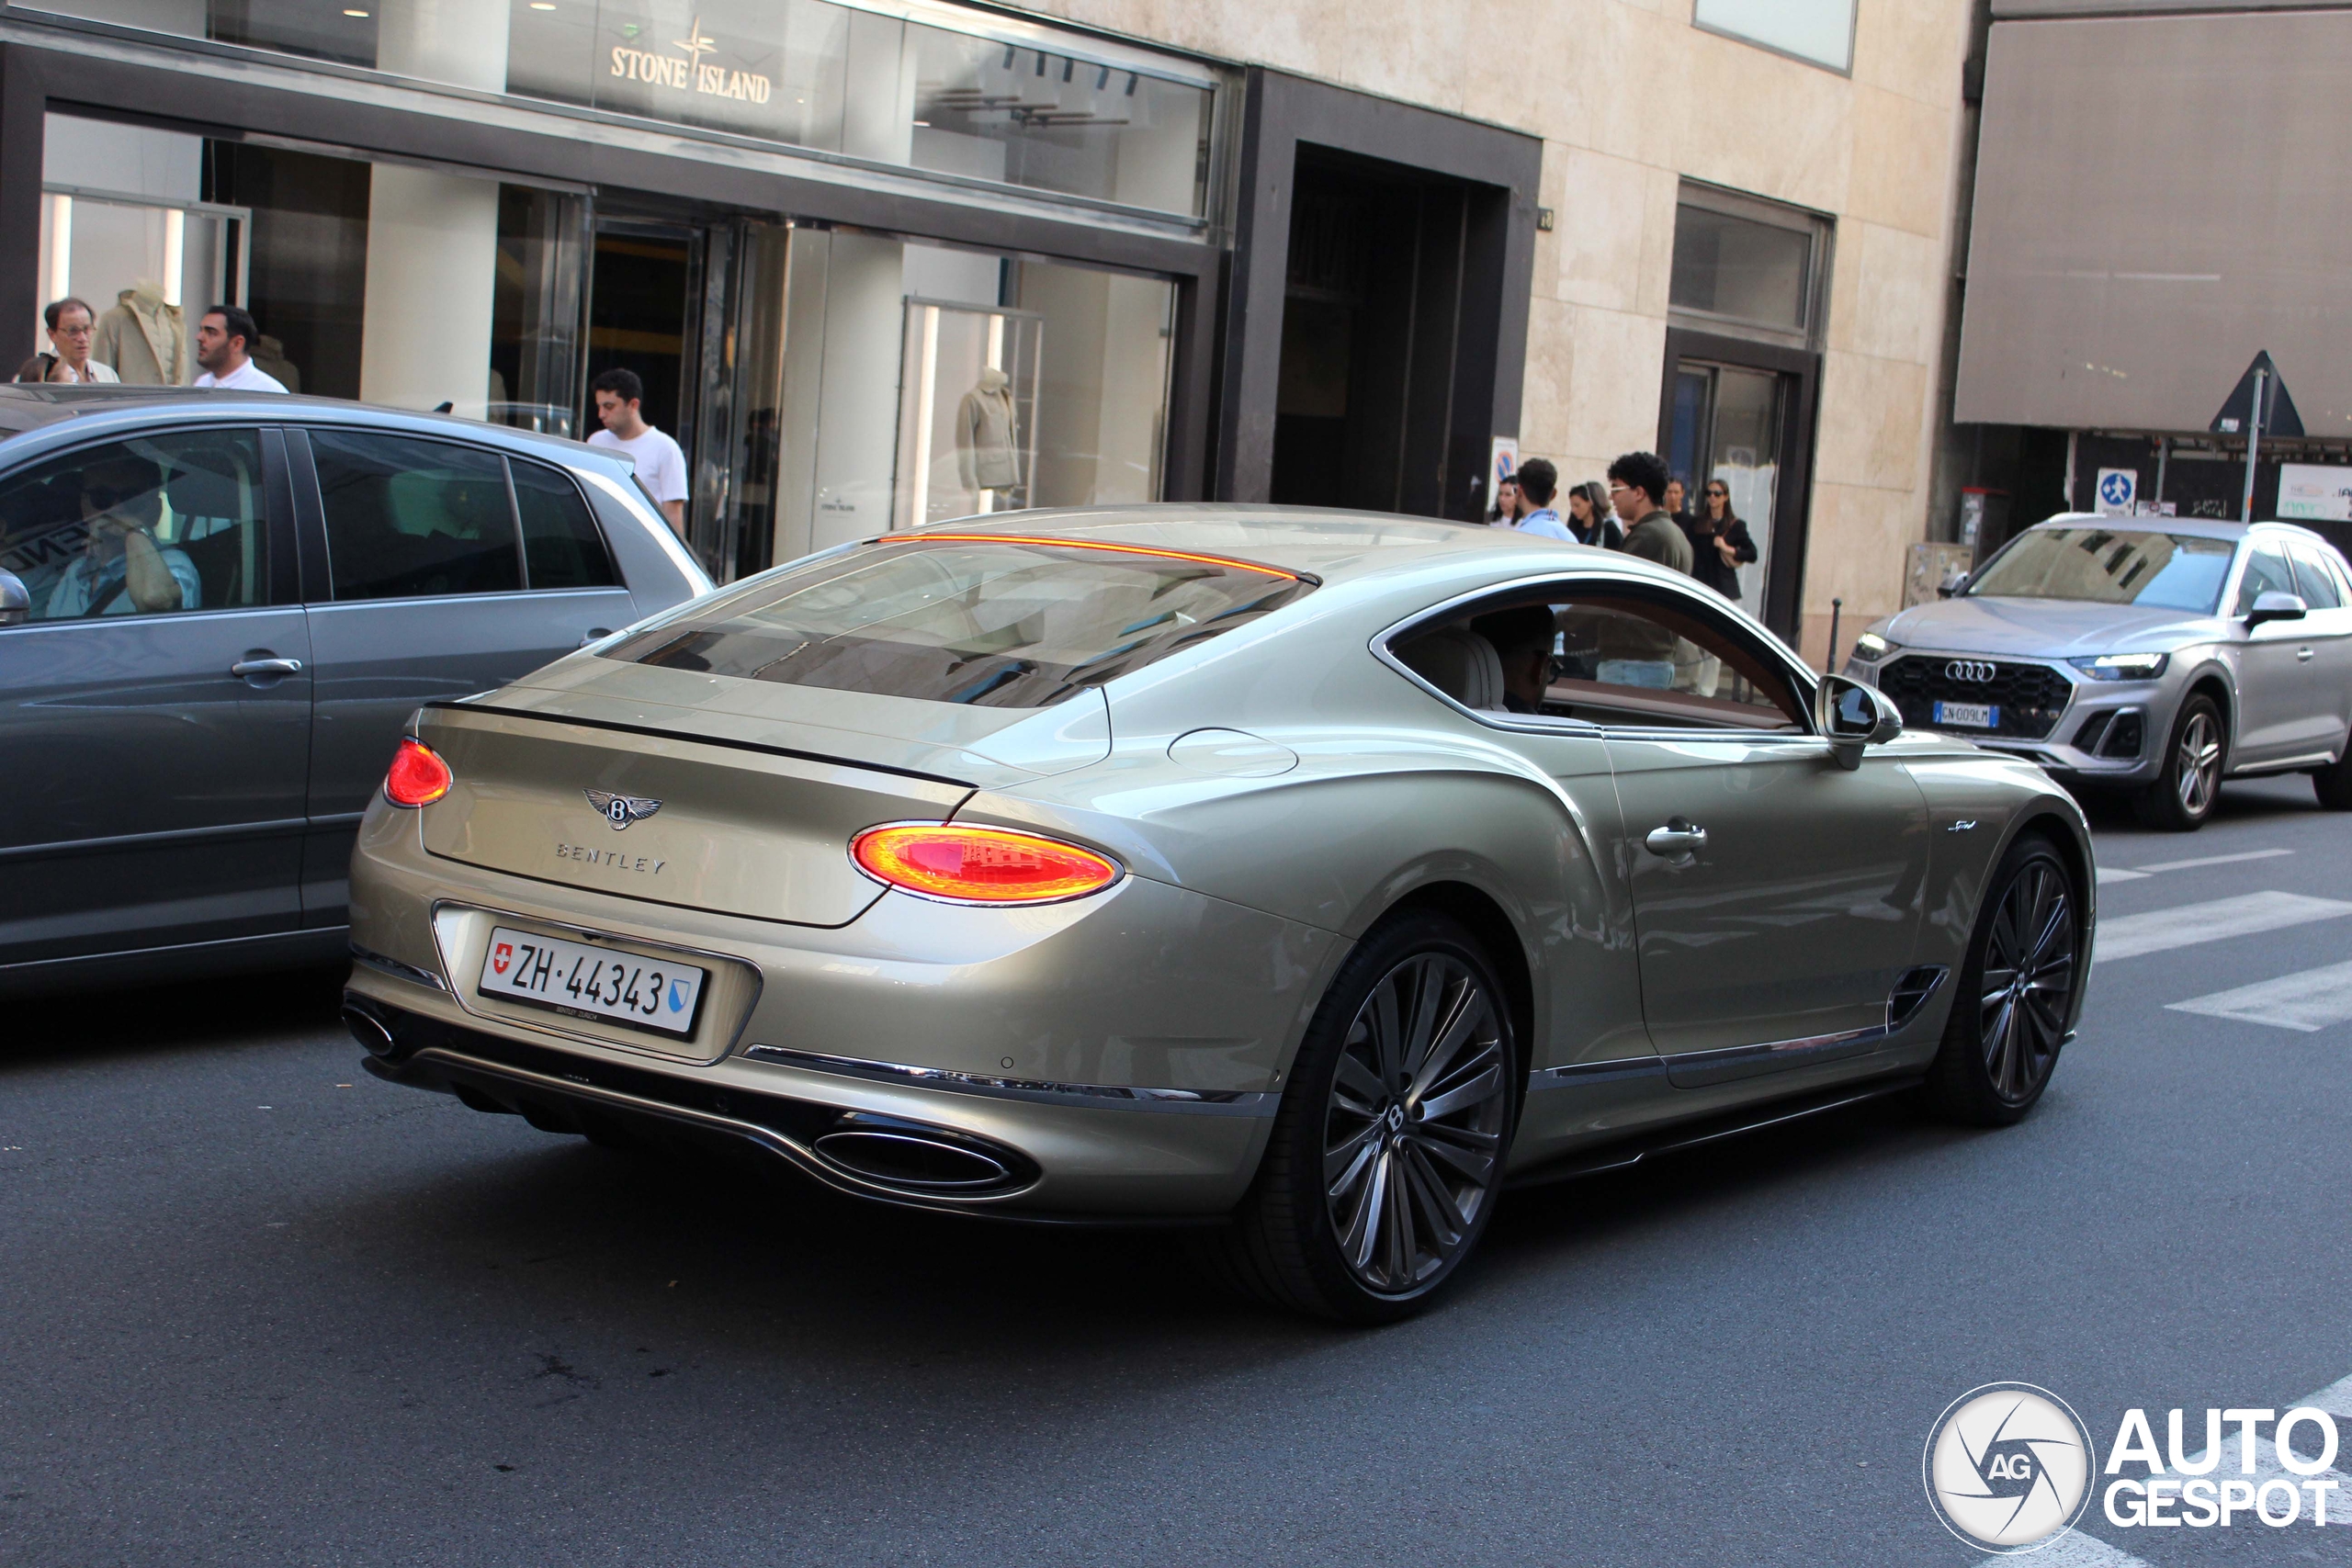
{"points": [[1637, 481]]}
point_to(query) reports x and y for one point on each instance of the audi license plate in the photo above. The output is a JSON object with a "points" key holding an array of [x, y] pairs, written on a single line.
{"points": [[1969, 716], [592, 982]]}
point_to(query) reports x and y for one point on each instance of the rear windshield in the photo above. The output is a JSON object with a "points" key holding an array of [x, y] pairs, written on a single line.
{"points": [[2110, 566], [996, 623]]}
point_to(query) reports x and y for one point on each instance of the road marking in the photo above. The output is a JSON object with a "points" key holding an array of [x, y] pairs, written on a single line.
{"points": [[2310, 1001], [2213, 860], [2107, 873], [2075, 1550], [2160, 930]]}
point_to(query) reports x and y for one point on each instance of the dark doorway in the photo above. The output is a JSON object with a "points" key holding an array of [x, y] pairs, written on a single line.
{"points": [[641, 299], [1372, 332], [309, 259], [1741, 412]]}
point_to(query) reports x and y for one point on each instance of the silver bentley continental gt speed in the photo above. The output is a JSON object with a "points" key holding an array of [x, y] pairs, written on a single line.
{"points": [[1308, 874]]}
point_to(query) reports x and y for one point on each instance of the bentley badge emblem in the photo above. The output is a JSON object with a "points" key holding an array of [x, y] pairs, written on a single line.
{"points": [[621, 811]]}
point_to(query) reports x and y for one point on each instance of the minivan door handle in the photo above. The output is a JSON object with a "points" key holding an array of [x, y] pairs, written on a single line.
{"points": [[250, 668], [1678, 839]]}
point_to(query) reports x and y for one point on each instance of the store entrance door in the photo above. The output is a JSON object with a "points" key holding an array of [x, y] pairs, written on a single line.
{"points": [[644, 304], [1741, 412], [1373, 328]]}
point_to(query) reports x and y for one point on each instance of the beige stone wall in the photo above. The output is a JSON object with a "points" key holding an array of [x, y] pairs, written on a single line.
{"points": [[1630, 99]]}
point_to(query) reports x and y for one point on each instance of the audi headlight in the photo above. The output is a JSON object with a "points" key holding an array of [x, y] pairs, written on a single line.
{"points": [[1870, 648], [2124, 666]]}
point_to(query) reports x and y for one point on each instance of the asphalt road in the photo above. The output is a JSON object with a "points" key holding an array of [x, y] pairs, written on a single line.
{"points": [[256, 1308]]}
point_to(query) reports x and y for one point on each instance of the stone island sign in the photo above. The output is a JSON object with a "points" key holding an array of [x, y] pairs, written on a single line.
{"points": [[691, 74]]}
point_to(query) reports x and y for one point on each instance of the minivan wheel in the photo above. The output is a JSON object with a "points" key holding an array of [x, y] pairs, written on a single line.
{"points": [[2016, 992], [1387, 1152], [2184, 792]]}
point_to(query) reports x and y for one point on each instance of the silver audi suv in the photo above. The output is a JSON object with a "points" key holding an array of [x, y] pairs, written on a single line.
{"points": [[2157, 655]]}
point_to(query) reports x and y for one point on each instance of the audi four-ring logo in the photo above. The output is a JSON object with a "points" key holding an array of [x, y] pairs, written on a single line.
{"points": [[1977, 670]]}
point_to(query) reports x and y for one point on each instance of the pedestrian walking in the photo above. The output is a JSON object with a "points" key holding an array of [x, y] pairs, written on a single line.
{"points": [[71, 325], [221, 347], [660, 467], [1637, 483], [1673, 502], [1589, 518], [1720, 542], [1538, 483]]}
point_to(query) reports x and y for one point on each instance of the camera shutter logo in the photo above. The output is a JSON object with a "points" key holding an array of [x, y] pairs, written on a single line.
{"points": [[2008, 1466], [1976, 671]]}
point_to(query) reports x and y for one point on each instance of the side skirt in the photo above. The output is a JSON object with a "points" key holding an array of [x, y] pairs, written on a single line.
{"points": [[1695, 1135]]}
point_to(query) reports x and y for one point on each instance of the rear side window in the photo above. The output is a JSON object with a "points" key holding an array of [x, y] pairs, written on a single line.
{"points": [[995, 623], [149, 525], [560, 543], [408, 518]]}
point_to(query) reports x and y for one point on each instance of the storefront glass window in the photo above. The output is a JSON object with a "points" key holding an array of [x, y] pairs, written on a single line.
{"points": [[915, 383], [1021, 105]]}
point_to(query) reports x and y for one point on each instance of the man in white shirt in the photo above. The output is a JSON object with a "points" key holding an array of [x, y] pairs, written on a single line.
{"points": [[660, 467], [220, 341]]}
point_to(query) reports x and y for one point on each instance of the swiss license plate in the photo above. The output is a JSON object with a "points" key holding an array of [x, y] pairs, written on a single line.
{"points": [[1969, 716], [592, 982]]}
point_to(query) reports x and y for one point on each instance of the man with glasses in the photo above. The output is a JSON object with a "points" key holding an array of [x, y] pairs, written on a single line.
{"points": [[1637, 483], [71, 327], [121, 570]]}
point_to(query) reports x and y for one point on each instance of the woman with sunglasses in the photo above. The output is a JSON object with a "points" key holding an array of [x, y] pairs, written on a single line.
{"points": [[1720, 542]]}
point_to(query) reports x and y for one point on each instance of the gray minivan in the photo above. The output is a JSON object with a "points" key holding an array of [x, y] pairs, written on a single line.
{"points": [[217, 610]]}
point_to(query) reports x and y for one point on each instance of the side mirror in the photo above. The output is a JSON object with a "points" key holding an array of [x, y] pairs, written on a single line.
{"points": [[16, 603], [2275, 606], [1957, 586], [1853, 716]]}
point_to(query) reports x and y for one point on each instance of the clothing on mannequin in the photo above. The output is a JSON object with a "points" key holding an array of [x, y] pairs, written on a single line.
{"points": [[988, 449], [144, 339]]}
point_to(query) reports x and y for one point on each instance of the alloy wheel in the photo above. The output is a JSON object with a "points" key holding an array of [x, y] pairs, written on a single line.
{"points": [[2199, 766], [2028, 980], [1413, 1131]]}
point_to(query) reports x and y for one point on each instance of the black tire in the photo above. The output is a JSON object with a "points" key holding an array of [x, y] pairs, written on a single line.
{"points": [[2015, 993], [2196, 753], [1418, 1144], [2333, 784]]}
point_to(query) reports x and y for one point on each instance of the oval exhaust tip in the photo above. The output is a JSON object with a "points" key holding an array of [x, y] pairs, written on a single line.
{"points": [[911, 1162], [369, 1030]]}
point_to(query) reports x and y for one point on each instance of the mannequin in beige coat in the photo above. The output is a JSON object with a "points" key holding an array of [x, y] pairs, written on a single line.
{"points": [[987, 444], [144, 339]]}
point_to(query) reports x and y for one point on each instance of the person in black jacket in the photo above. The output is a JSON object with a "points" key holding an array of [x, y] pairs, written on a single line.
{"points": [[1720, 542], [1589, 517]]}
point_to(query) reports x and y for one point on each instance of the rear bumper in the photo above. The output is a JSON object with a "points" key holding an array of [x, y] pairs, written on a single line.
{"points": [[1120, 1057]]}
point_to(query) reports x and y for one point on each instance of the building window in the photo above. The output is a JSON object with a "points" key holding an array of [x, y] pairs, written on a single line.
{"points": [[1748, 266], [1819, 31]]}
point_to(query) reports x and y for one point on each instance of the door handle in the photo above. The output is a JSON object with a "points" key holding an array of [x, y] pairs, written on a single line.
{"points": [[252, 667], [1676, 839], [595, 634], [2302, 656]]}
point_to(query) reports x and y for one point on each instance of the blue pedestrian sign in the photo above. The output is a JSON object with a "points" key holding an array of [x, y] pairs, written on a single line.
{"points": [[2117, 489]]}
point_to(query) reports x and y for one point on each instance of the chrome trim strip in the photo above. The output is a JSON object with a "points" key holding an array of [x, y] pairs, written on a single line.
{"points": [[396, 969], [1097, 1096], [1617, 1071], [1729, 1055]]}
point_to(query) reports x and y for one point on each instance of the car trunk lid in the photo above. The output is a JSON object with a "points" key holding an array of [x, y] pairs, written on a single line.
{"points": [[687, 790]]}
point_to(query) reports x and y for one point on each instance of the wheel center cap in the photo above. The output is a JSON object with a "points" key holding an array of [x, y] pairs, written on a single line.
{"points": [[1397, 1118]]}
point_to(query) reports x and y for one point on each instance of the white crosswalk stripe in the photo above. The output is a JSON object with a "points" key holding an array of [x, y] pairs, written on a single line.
{"points": [[2160, 930], [2310, 1001], [2107, 873], [2074, 1551]]}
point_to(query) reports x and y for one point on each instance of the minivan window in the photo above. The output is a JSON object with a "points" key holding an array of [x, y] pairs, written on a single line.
{"points": [[148, 526], [2109, 566], [994, 622], [407, 518]]}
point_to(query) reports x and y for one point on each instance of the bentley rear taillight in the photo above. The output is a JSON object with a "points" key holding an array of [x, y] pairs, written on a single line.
{"points": [[981, 865], [418, 776]]}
